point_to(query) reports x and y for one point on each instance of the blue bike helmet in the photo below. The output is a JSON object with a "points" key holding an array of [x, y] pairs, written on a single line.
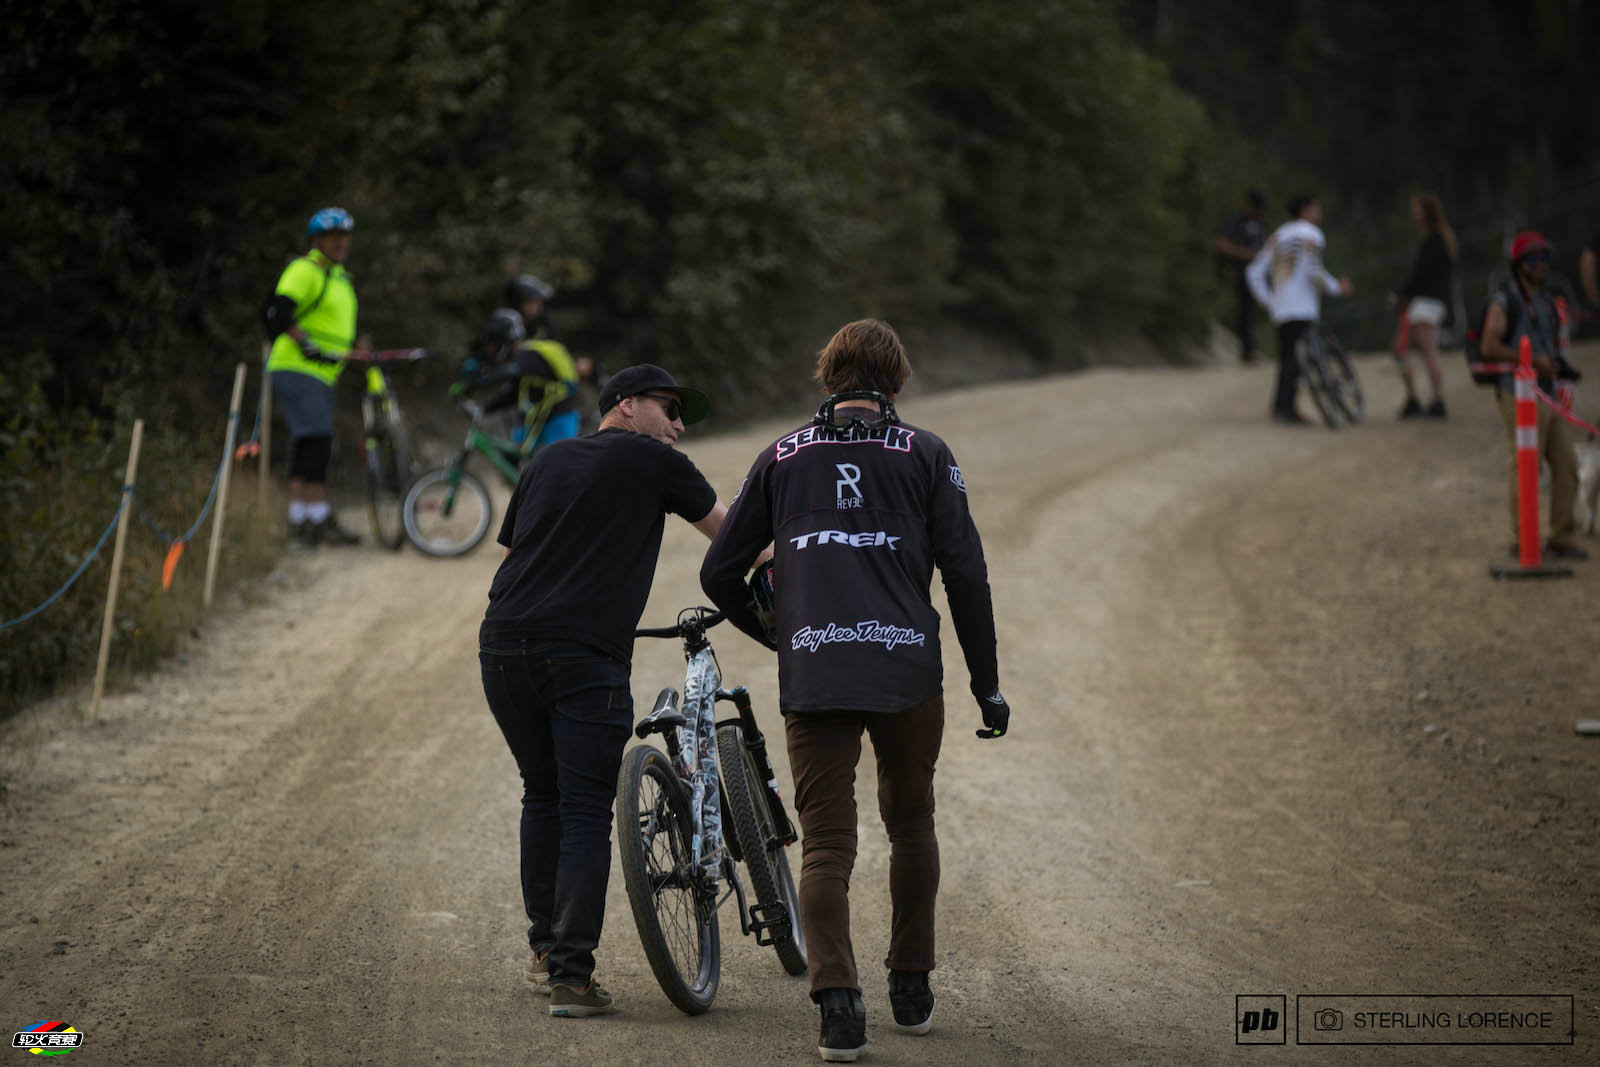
{"points": [[331, 220]]}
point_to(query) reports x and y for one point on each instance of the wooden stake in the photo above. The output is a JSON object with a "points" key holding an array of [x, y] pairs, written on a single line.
{"points": [[116, 567], [222, 489], [266, 437]]}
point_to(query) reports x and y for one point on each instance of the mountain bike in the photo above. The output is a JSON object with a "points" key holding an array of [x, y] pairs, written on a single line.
{"points": [[388, 449], [447, 511], [1330, 377], [671, 835]]}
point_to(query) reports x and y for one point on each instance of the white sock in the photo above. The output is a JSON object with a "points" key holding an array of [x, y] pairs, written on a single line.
{"points": [[318, 511], [297, 511]]}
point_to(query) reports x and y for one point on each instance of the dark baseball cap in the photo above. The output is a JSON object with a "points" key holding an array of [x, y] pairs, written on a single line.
{"points": [[648, 378]]}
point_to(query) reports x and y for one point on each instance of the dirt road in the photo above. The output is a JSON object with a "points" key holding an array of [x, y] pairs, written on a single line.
{"points": [[1276, 732]]}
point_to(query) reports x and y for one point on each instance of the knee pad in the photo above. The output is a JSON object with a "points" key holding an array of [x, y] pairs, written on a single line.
{"points": [[309, 462]]}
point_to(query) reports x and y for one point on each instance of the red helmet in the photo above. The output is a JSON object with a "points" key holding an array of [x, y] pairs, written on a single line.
{"points": [[1527, 242]]}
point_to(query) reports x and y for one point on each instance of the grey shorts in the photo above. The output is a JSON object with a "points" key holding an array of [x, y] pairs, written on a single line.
{"points": [[305, 403]]}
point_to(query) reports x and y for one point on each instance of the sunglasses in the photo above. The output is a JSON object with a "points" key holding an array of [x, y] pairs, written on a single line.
{"points": [[1537, 257], [669, 404]]}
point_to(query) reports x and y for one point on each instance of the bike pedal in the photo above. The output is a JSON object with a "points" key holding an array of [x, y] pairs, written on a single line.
{"points": [[769, 922]]}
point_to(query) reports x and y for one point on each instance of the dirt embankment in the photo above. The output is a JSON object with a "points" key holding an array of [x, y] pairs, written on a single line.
{"points": [[1276, 731]]}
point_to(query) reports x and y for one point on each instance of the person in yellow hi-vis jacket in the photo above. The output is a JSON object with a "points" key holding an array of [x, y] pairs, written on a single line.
{"points": [[311, 321]]}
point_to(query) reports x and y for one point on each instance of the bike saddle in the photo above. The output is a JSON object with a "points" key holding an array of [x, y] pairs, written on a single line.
{"points": [[663, 717]]}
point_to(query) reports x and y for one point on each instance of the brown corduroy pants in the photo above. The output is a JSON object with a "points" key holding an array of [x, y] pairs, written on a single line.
{"points": [[824, 748]]}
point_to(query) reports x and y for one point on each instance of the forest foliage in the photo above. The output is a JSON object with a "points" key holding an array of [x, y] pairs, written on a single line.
{"points": [[713, 185]]}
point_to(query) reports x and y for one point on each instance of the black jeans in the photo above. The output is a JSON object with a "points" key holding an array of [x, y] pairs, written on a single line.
{"points": [[1244, 315], [1289, 334], [565, 710]]}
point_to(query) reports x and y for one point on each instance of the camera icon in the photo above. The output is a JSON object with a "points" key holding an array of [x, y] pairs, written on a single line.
{"points": [[1328, 1019]]}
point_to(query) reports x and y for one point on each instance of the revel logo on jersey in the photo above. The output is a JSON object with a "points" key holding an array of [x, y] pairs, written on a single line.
{"points": [[865, 539], [849, 478], [892, 437]]}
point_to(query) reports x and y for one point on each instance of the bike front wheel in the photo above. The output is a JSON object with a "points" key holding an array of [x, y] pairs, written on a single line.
{"points": [[765, 858], [447, 512], [388, 478], [1319, 382], [1346, 386], [675, 912]]}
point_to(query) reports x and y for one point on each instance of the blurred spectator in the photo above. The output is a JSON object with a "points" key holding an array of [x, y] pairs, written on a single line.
{"points": [[1288, 278], [1236, 245], [1525, 309], [1424, 302]]}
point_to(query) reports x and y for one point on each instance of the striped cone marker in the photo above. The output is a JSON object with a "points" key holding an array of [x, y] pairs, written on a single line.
{"points": [[1528, 563]]}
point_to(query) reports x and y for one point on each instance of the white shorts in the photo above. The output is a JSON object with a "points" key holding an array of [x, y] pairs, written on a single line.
{"points": [[1425, 311]]}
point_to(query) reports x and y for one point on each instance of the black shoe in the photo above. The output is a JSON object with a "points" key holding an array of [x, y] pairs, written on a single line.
{"points": [[304, 534], [844, 1025], [1436, 410], [329, 532], [1563, 550], [1412, 410], [912, 1001], [1290, 418]]}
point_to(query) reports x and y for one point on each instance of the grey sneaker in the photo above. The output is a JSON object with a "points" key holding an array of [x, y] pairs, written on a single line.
{"points": [[570, 1002], [304, 534], [538, 972], [330, 532], [844, 1025], [912, 1001]]}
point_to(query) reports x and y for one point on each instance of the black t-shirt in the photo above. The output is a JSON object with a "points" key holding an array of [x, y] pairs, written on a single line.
{"points": [[584, 529], [1430, 274], [859, 520]]}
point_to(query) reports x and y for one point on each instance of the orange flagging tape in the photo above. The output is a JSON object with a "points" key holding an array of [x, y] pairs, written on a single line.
{"points": [[173, 555], [1560, 409]]}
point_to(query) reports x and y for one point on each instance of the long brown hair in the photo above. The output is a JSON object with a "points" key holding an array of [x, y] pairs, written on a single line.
{"points": [[865, 354], [1433, 220]]}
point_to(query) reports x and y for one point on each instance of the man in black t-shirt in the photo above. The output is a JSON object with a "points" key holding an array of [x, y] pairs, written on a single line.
{"points": [[582, 535], [1236, 245], [859, 508]]}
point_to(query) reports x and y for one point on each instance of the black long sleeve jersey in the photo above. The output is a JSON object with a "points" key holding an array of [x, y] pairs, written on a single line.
{"points": [[859, 516]]}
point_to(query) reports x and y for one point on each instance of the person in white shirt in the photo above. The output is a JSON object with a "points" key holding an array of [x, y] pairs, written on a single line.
{"points": [[1287, 278]]}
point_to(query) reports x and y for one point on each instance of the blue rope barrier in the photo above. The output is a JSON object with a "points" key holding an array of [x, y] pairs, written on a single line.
{"points": [[127, 492], [204, 510]]}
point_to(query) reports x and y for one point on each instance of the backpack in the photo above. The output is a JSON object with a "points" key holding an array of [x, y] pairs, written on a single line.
{"points": [[1488, 373]]}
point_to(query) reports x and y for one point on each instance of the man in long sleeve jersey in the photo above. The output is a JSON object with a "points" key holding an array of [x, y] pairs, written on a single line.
{"points": [[1288, 278]]}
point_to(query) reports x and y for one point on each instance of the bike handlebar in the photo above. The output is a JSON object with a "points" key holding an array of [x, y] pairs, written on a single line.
{"points": [[384, 355], [696, 621]]}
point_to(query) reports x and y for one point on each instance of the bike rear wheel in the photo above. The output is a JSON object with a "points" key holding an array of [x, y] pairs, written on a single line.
{"points": [[1346, 386], [675, 912], [447, 512], [1319, 382], [767, 861], [388, 478]]}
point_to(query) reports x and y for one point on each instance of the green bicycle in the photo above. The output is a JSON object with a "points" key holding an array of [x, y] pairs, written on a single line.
{"points": [[447, 511]]}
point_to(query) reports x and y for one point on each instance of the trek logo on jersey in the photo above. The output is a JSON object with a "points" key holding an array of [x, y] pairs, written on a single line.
{"points": [[895, 438], [869, 632], [956, 479], [865, 539], [849, 478]]}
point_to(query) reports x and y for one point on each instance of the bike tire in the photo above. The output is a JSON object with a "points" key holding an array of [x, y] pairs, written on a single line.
{"points": [[1313, 371], [676, 918], [443, 524], [388, 478], [1346, 383], [770, 878]]}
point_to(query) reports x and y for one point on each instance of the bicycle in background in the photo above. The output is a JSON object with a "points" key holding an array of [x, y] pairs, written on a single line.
{"points": [[446, 512], [671, 835], [1330, 377], [386, 444]]}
